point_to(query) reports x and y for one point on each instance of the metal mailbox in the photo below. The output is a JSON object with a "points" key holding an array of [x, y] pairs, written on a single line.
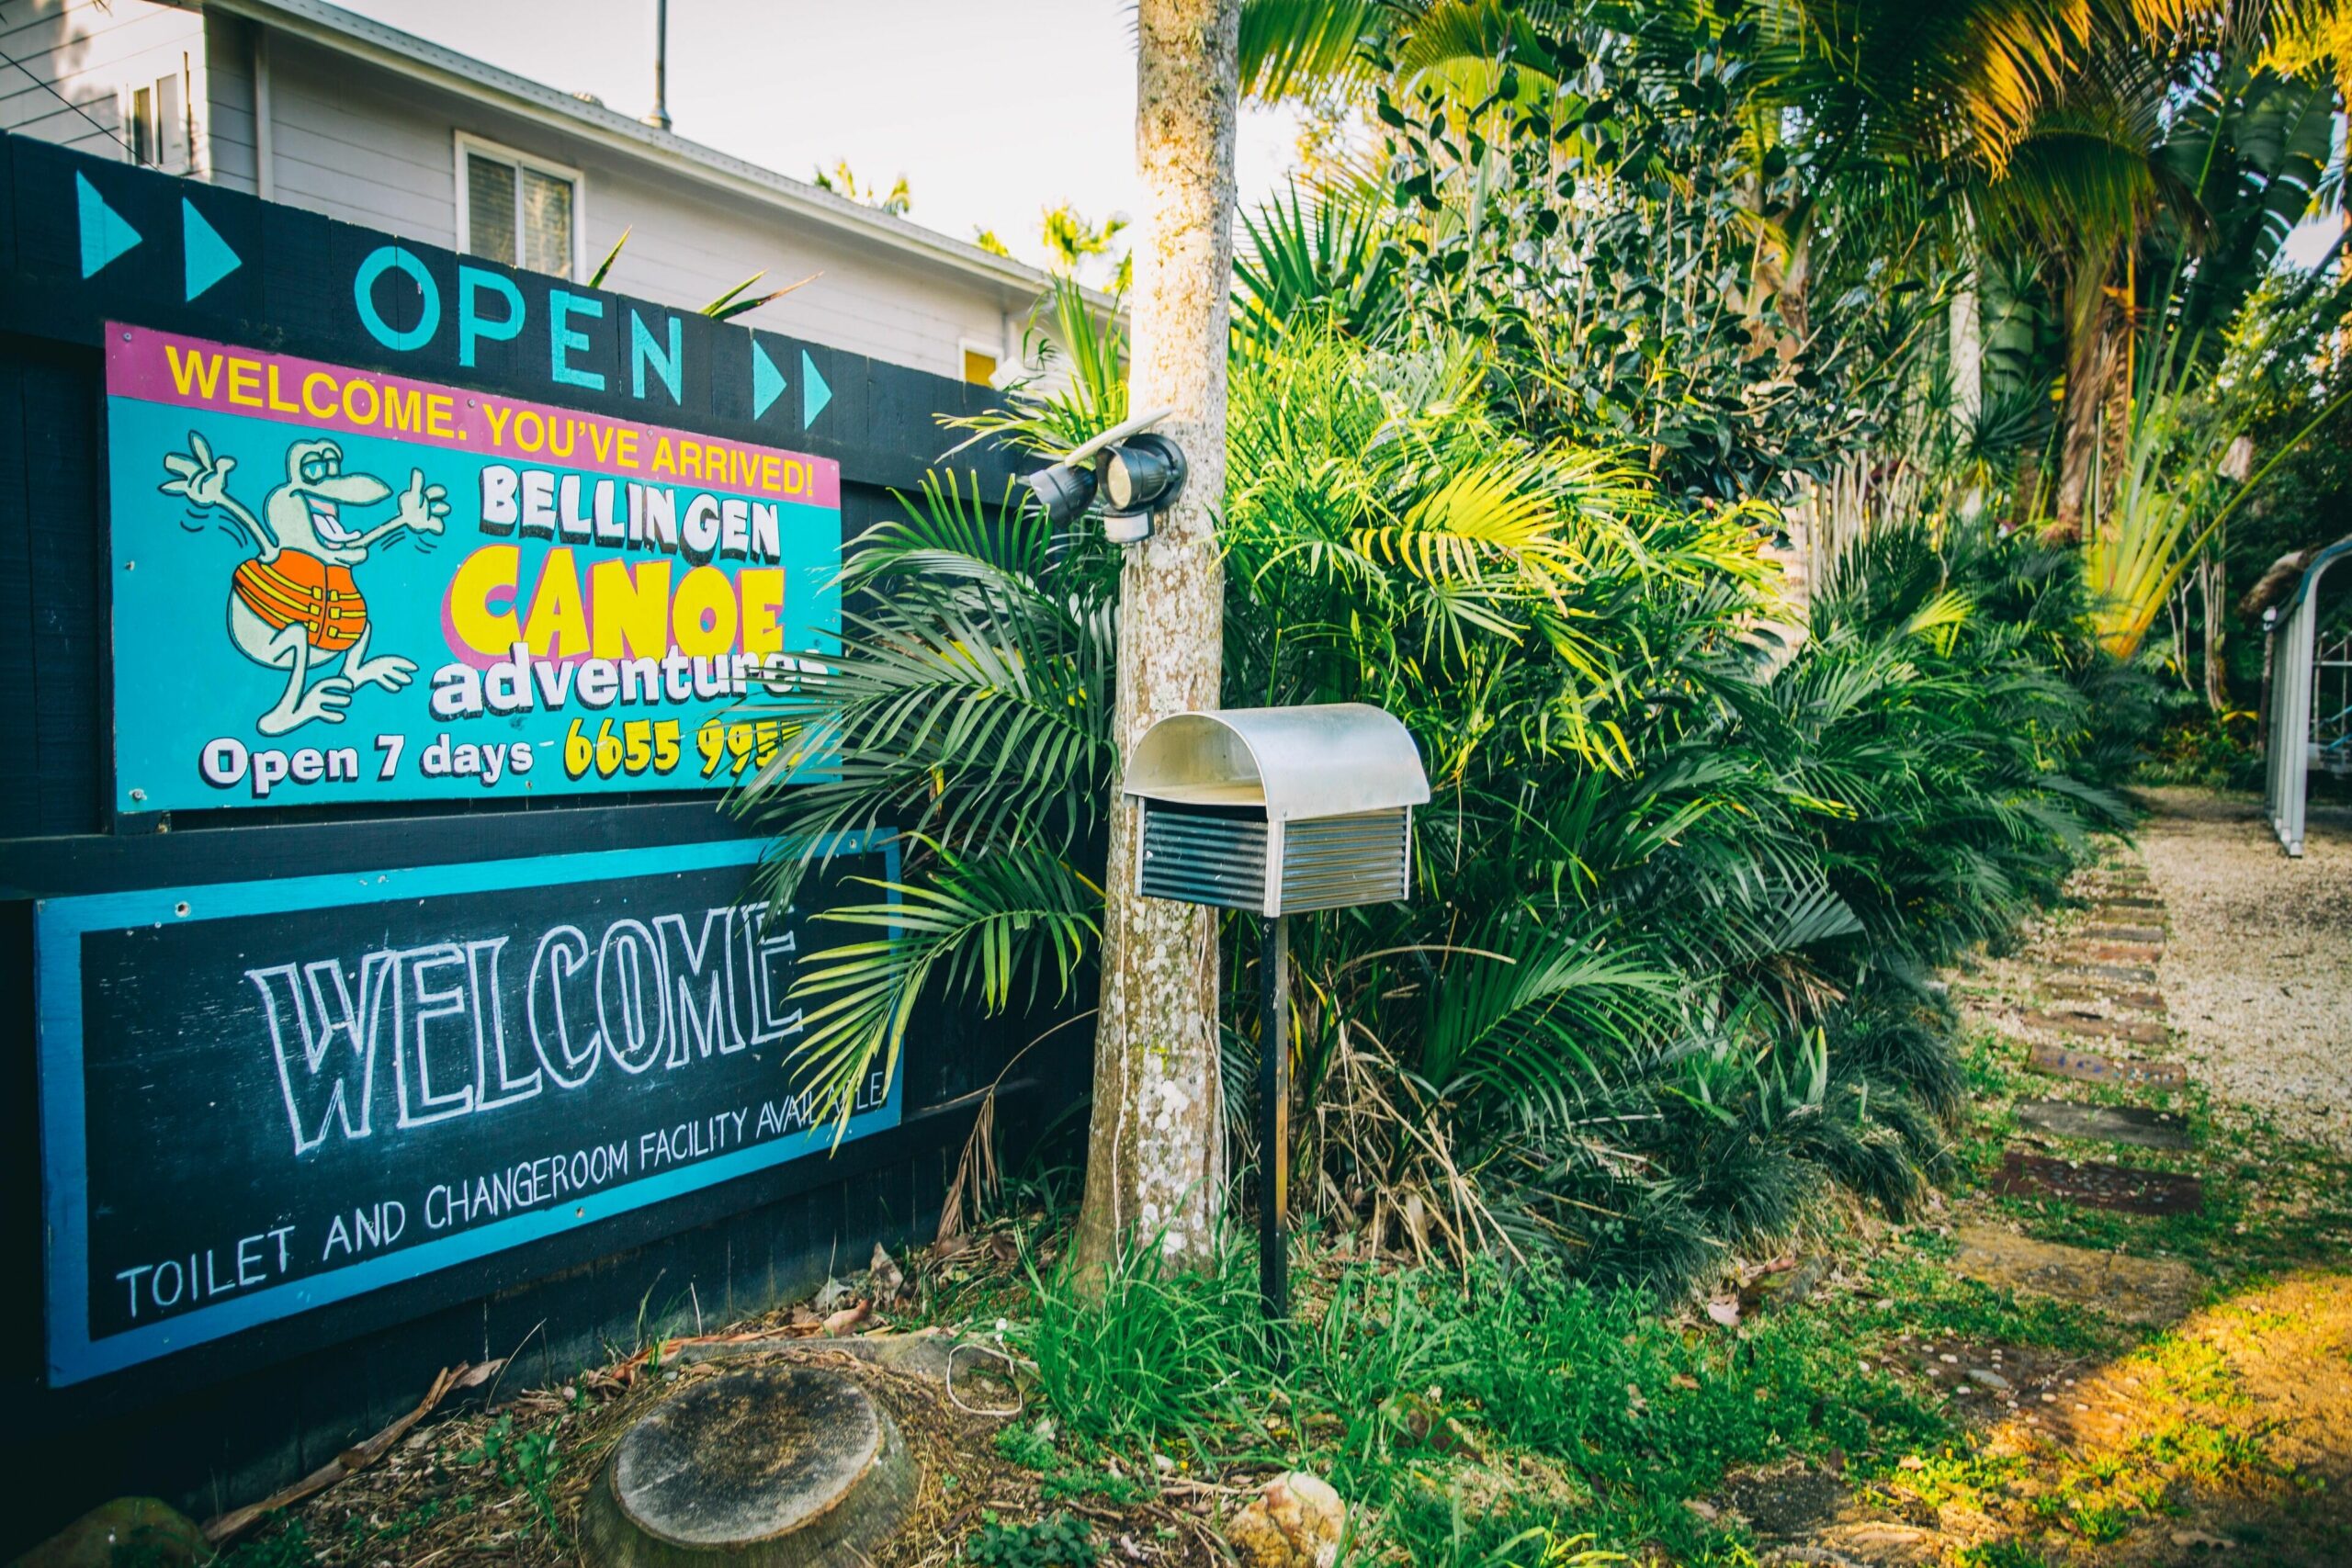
{"points": [[1278, 810]]}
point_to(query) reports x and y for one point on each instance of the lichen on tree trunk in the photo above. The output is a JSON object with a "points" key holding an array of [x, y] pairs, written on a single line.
{"points": [[1155, 1158]]}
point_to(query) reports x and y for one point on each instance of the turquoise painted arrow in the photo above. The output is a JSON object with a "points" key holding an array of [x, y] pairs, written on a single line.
{"points": [[767, 381], [209, 258], [814, 393], [104, 234]]}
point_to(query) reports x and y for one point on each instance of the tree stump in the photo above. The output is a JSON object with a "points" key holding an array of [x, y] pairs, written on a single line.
{"points": [[771, 1467]]}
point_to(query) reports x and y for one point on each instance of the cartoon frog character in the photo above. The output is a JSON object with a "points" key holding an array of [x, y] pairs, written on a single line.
{"points": [[293, 605]]}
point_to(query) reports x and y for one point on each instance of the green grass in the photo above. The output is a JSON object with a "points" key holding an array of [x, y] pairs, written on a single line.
{"points": [[1480, 1420], [526, 1461], [1917, 1293], [1520, 1416]]}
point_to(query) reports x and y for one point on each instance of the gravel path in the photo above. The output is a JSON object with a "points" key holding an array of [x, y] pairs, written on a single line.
{"points": [[2258, 972]]}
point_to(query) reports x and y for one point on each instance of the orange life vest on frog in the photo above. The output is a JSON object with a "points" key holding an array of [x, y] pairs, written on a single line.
{"points": [[299, 590]]}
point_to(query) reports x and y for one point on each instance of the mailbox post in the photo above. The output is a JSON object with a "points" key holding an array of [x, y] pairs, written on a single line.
{"points": [[1276, 811]]}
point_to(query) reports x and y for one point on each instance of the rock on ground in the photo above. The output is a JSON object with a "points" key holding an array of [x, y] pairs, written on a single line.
{"points": [[1295, 1521]]}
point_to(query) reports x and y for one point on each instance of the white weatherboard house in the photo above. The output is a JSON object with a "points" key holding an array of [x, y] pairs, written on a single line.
{"points": [[303, 102]]}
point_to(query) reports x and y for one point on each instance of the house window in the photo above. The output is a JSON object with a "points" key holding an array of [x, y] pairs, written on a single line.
{"points": [[159, 128], [517, 210]]}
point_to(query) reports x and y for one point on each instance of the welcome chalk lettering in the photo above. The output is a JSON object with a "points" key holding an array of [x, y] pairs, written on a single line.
{"points": [[635, 995]]}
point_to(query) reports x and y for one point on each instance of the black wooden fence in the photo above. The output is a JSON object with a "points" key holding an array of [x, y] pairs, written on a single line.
{"points": [[226, 1420]]}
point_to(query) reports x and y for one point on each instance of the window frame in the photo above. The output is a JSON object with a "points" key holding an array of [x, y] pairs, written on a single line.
{"points": [[146, 137], [145, 128], [175, 125], [993, 353], [469, 145]]}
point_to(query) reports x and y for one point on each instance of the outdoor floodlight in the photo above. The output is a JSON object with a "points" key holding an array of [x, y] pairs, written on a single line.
{"points": [[1064, 492], [1137, 475]]}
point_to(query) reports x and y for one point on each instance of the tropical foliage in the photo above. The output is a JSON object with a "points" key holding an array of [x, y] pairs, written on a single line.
{"points": [[1523, 399], [1658, 980], [1881, 259]]}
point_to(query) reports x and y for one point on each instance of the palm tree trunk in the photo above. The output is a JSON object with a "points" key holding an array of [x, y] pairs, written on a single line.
{"points": [[2025, 501], [1154, 1169], [2091, 385], [1967, 350], [2212, 577]]}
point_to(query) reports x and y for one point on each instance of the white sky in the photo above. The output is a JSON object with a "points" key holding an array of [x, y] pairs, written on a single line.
{"points": [[994, 109], [2309, 245]]}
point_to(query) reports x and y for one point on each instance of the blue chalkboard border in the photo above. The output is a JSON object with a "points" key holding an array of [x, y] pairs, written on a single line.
{"points": [[58, 928]]}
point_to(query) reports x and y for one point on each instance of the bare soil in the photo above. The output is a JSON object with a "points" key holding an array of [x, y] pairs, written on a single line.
{"points": [[2258, 967]]}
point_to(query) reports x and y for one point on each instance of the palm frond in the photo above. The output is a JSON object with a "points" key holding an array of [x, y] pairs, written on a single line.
{"points": [[991, 929], [1292, 46]]}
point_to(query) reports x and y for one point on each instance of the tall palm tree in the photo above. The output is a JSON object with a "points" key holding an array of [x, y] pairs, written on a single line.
{"points": [[1155, 1169], [2083, 186]]}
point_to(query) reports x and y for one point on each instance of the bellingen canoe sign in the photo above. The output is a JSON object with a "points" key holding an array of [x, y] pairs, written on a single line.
{"points": [[334, 586], [260, 1098]]}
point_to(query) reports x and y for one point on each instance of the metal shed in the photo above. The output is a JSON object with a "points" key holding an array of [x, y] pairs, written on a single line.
{"points": [[2305, 731]]}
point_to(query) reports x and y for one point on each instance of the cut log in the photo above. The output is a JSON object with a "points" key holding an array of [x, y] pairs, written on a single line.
{"points": [[770, 1467]]}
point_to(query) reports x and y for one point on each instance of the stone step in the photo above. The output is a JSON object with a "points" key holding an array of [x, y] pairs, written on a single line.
{"points": [[2087, 1067], [2137, 1289], [2094, 1186], [2103, 919], [2093, 1027], [2091, 974], [2111, 1124], [2129, 901], [2151, 934], [2142, 1002], [2111, 952]]}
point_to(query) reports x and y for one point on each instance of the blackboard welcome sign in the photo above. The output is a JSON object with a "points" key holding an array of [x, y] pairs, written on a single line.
{"points": [[260, 1098]]}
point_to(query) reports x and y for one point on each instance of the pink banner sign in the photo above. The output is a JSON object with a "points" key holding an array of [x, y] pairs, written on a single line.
{"points": [[186, 372]]}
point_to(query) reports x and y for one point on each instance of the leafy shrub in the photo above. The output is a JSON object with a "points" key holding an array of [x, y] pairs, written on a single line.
{"points": [[2215, 750], [1058, 1541], [1654, 992]]}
